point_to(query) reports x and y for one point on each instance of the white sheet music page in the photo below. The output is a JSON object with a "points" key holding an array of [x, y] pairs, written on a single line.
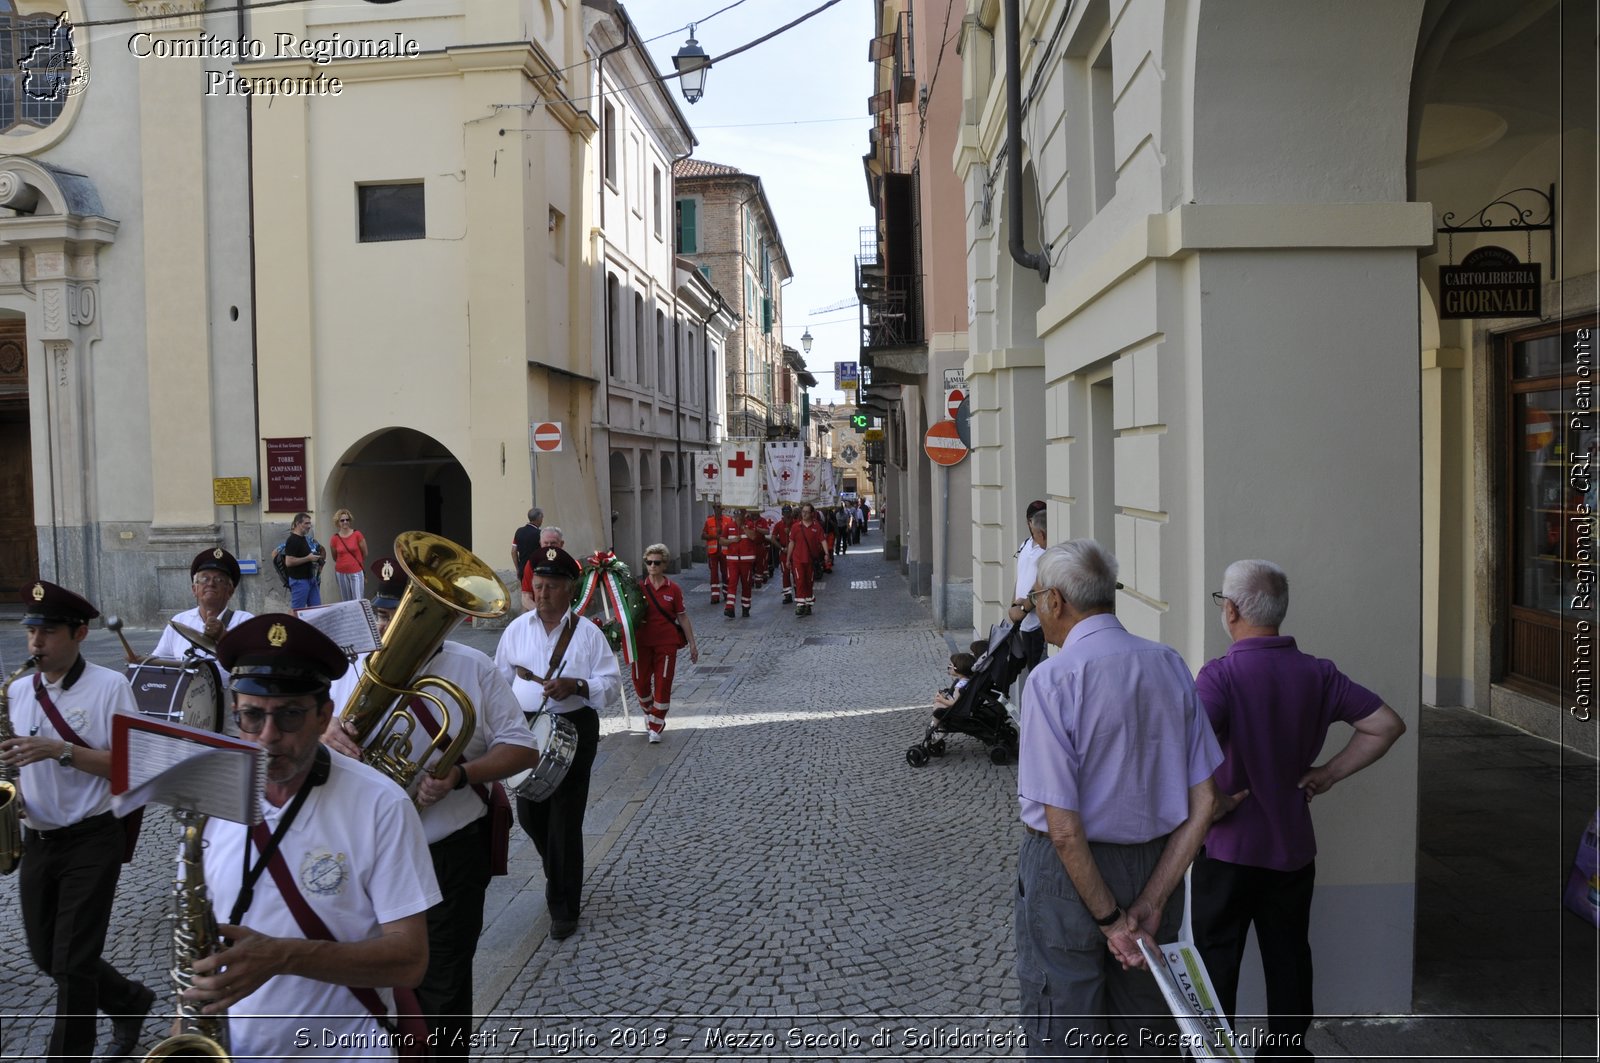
{"points": [[351, 625], [153, 761]]}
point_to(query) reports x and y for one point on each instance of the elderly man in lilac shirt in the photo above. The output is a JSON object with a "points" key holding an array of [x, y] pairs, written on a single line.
{"points": [[1114, 780], [1272, 706]]}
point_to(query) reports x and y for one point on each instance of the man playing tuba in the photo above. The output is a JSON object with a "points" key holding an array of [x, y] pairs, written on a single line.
{"points": [[73, 843], [455, 811]]}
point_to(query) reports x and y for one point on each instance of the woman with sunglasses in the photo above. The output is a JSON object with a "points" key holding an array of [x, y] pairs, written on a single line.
{"points": [[349, 556], [666, 630]]}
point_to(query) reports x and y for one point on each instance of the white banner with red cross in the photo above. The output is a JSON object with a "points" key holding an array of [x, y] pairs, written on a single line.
{"points": [[708, 475], [741, 474], [786, 467]]}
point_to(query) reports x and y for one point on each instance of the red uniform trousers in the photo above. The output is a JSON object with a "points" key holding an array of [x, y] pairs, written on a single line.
{"points": [[804, 583], [741, 579], [653, 669], [716, 566]]}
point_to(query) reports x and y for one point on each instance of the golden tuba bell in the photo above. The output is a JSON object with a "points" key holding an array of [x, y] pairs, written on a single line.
{"points": [[448, 582], [10, 784]]}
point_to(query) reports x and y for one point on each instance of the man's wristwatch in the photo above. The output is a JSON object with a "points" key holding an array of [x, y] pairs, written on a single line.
{"points": [[461, 783], [65, 757], [1115, 916], [583, 689]]}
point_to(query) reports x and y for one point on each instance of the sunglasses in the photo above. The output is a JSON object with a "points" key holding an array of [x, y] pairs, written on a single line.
{"points": [[287, 721], [654, 563]]}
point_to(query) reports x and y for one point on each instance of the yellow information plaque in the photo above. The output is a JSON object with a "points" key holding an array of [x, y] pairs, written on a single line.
{"points": [[231, 491], [872, 435]]}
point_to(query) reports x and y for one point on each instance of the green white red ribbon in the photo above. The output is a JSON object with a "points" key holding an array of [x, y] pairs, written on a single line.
{"points": [[620, 598]]}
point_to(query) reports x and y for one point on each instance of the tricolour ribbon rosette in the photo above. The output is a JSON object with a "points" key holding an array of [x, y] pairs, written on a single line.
{"points": [[603, 575]]}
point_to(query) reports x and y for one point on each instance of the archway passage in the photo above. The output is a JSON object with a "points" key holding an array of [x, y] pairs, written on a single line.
{"points": [[19, 545], [397, 480]]}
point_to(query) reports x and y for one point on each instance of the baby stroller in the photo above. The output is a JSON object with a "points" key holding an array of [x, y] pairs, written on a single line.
{"points": [[981, 709]]}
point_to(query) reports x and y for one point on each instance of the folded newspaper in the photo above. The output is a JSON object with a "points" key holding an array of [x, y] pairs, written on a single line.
{"points": [[1187, 987]]}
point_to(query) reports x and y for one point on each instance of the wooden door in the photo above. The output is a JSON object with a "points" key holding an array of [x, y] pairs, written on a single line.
{"points": [[19, 548]]}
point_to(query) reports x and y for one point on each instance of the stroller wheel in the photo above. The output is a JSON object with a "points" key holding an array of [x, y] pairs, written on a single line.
{"points": [[1002, 755], [937, 748], [916, 756]]}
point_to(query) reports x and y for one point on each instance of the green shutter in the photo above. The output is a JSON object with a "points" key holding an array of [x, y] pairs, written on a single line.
{"points": [[688, 235], [766, 316]]}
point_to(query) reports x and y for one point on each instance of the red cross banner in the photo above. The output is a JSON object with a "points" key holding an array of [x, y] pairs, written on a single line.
{"points": [[708, 475], [786, 467], [741, 474]]}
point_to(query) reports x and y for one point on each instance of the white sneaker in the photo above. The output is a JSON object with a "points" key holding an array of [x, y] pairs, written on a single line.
{"points": [[655, 736]]}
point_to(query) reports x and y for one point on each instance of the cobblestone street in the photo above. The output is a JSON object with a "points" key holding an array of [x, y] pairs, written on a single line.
{"points": [[772, 871]]}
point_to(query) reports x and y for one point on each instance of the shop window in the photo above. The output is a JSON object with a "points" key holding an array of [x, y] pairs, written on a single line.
{"points": [[1549, 477]]}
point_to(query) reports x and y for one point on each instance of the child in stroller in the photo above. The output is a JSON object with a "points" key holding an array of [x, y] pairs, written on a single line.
{"points": [[975, 703]]}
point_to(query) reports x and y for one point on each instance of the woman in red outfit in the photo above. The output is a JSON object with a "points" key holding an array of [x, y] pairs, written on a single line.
{"points": [[349, 556], [665, 630], [805, 551]]}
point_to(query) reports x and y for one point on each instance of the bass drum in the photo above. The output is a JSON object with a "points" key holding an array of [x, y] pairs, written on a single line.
{"points": [[557, 742], [187, 692]]}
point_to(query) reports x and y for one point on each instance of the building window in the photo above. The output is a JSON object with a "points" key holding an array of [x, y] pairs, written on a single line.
{"points": [[655, 199], [391, 212], [1550, 477], [663, 375], [641, 339], [688, 236], [1101, 91], [613, 323], [36, 68], [608, 134]]}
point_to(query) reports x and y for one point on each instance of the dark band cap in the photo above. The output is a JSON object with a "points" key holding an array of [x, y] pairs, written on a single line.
{"points": [[1035, 506], [391, 580], [278, 655], [45, 603], [554, 561], [215, 558]]}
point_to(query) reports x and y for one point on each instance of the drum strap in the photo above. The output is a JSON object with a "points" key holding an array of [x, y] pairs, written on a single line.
{"points": [[560, 650]]}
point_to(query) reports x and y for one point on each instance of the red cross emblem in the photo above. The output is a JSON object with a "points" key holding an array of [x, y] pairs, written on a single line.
{"points": [[740, 463], [784, 476], [710, 471]]}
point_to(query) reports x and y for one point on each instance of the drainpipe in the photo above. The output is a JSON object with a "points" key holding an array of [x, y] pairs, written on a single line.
{"points": [[1039, 260]]}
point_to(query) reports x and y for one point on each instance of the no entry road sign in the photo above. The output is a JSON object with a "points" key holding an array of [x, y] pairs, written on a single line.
{"points": [[943, 443]]}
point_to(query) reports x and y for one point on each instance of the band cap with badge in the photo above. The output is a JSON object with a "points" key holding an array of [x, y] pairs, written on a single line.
{"points": [[215, 559], [45, 603], [391, 580], [554, 561], [278, 655]]}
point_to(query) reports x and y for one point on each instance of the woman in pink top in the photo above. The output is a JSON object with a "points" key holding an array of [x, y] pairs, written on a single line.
{"points": [[349, 556]]}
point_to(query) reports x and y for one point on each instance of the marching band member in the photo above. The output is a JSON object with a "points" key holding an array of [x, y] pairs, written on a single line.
{"points": [[326, 897], [213, 577], [74, 844], [577, 669], [455, 810]]}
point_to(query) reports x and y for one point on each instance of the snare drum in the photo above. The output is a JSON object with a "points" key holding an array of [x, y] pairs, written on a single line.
{"points": [[557, 742], [187, 692]]}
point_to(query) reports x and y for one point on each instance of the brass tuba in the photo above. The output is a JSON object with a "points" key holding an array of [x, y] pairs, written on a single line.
{"points": [[10, 786], [447, 583], [194, 935]]}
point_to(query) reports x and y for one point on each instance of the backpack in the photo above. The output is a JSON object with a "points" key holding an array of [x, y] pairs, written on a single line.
{"points": [[280, 565]]}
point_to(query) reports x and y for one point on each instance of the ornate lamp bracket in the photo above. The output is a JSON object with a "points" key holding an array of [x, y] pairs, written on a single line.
{"points": [[1507, 214]]}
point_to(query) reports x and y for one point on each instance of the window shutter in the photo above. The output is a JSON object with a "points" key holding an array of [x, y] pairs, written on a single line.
{"points": [[766, 316], [688, 243]]}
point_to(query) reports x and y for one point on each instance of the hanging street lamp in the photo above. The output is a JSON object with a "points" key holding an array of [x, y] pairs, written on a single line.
{"points": [[692, 63], [805, 341]]}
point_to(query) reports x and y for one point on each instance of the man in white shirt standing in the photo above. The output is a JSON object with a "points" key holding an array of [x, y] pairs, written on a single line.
{"points": [[574, 670], [1021, 610], [213, 577], [74, 844]]}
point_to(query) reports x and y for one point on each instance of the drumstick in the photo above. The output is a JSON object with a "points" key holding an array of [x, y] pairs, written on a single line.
{"points": [[114, 623], [554, 676]]}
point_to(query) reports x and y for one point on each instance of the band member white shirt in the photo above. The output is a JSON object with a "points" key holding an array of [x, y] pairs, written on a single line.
{"points": [[357, 853], [172, 645], [527, 644], [1027, 572], [87, 698], [498, 722]]}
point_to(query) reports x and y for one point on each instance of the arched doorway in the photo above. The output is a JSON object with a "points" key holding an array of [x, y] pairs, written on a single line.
{"points": [[19, 544], [624, 507], [396, 480]]}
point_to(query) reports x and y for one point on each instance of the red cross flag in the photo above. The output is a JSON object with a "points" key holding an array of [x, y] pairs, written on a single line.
{"points": [[708, 475], [741, 475], [785, 467]]}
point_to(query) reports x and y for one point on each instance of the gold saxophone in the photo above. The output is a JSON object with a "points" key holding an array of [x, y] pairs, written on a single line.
{"points": [[448, 582], [10, 786], [194, 934]]}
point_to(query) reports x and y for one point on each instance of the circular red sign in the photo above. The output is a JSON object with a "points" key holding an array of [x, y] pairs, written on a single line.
{"points": [[547, 436]]}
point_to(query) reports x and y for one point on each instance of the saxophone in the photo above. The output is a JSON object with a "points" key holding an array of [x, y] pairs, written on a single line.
{"points": [[194, 934], [10, 787]]}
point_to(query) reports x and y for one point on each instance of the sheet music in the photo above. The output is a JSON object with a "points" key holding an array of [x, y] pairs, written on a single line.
{"points": [[352, 625], [184, 767]]}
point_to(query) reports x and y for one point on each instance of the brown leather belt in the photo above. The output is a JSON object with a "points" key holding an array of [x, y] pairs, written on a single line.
{"points": [[1036, 833]]}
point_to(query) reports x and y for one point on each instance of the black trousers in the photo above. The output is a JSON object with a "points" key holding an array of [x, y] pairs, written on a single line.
{"points": [[1227, 899], [67, 887], [555, 824], [461, 863]]}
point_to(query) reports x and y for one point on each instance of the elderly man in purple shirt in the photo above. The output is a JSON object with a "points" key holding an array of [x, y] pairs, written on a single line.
{"points": [[1271, 707], [1114, 780]]}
